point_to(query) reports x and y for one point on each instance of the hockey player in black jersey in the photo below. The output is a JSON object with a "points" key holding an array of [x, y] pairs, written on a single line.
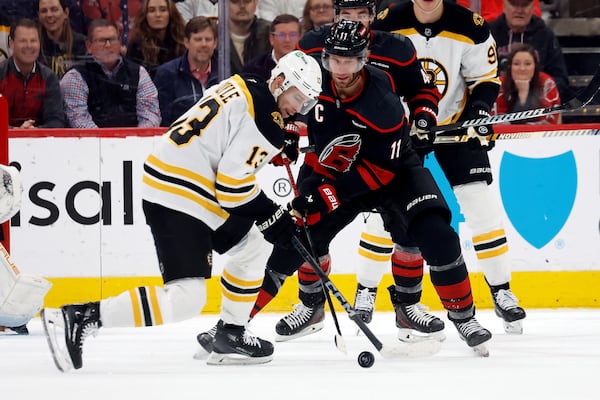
{"points": [[457, 50], [200, 193], [363, 160], [396, 55]]}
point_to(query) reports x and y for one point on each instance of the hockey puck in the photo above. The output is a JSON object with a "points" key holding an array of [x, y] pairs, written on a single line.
{"points": [[366, 359]]}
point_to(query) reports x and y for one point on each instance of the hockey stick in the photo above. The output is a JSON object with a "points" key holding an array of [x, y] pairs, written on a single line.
{"points": [[338, 339], [581, 100], [520, 135], [416, 349]]}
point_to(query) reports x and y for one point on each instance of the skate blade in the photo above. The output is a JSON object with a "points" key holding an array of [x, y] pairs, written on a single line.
{"points": [[305, 332], [412, 336], [236, 359], [513, 328], [481, 350], [53, 323], [423, 348], [201, 353]]}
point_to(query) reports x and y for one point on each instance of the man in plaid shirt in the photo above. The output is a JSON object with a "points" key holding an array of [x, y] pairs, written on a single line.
{"points": [[108, 90]]}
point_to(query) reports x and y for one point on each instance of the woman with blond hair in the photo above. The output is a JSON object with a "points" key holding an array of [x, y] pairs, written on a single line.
{"points": [[159, 35]]}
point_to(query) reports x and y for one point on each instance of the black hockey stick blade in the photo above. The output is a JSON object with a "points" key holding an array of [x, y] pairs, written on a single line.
{"points": [[581, 100], [418, 349]]}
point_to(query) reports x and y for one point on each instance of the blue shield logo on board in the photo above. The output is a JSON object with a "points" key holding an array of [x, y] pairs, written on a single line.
{"points": [[538, 194]]}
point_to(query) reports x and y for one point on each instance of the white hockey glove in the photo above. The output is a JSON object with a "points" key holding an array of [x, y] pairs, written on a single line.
{"points": [[11, 189]]}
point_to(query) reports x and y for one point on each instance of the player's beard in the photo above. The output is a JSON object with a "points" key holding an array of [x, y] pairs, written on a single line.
{"points": [[349, 87]]}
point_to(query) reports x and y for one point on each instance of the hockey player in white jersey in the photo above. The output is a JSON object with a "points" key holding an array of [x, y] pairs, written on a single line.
{"points": [[457, 50], [200, 194], [21, 295]]}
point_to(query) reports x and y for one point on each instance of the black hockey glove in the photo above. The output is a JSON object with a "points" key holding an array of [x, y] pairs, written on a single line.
{"points": [[421, 133], [317, 203], [480, 133], [290, 145], [278, 228]]}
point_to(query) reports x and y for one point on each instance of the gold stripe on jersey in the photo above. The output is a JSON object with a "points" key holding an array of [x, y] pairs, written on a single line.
{"points": [[238, 79], [184, 183], [135, 302], [236, 289], [232, 192], [144, 303], [490, 244]]}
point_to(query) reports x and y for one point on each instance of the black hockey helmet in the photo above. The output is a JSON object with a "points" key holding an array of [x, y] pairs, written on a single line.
{"points": [[346, 39], [339, 4]]}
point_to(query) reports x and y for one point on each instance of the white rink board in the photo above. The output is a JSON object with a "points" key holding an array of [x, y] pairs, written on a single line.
{"points": [[55, 168]]}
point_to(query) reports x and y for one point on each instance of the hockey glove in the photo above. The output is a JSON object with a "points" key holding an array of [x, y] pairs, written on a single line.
{"points": [[421, 133], [290, 145], [317, 203], [481, 132], [278, 228]]}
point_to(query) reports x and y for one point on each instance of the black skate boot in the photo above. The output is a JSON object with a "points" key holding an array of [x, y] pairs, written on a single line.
{"points": [[78, 322], [506, 306], [234, 344], [474, 335], [206, 339], [364, 302], [300, 322], [20, 330], [413, 323]]}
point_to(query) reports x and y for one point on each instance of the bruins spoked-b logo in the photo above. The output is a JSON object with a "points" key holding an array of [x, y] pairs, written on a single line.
{"points": [[437, 74]]}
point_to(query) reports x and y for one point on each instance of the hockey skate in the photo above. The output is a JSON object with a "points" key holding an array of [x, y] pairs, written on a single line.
{"points": [[364, 302], [19, 330], [300, 322], [474, 335], [76, 321], [235, 345], [414, 323], [206, 339], [506, 307]]}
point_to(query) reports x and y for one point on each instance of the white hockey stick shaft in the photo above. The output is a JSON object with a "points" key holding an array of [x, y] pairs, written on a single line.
{"points": [[522, 135]]}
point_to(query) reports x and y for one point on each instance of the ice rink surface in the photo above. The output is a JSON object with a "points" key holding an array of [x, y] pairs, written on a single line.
{"points": [[557, 357]]}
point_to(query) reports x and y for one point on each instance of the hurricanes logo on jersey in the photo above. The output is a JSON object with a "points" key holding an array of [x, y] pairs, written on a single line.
{"points": [[278, 118], [341, 152], [436, 73]]}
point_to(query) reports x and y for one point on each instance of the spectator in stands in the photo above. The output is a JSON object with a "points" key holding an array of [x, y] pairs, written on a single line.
{"points": [[525, 87], [491, 9], [61, 46], [315, 14], [516, 26], [121, 12], [195, 8], [123, 93], [159, 35], [249, 34], [31, 89], [181, 82], [285, 32], [269, 9]]}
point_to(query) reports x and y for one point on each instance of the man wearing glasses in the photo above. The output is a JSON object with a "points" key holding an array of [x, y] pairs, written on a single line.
{"points": [[285, 32], [122, 92]]}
